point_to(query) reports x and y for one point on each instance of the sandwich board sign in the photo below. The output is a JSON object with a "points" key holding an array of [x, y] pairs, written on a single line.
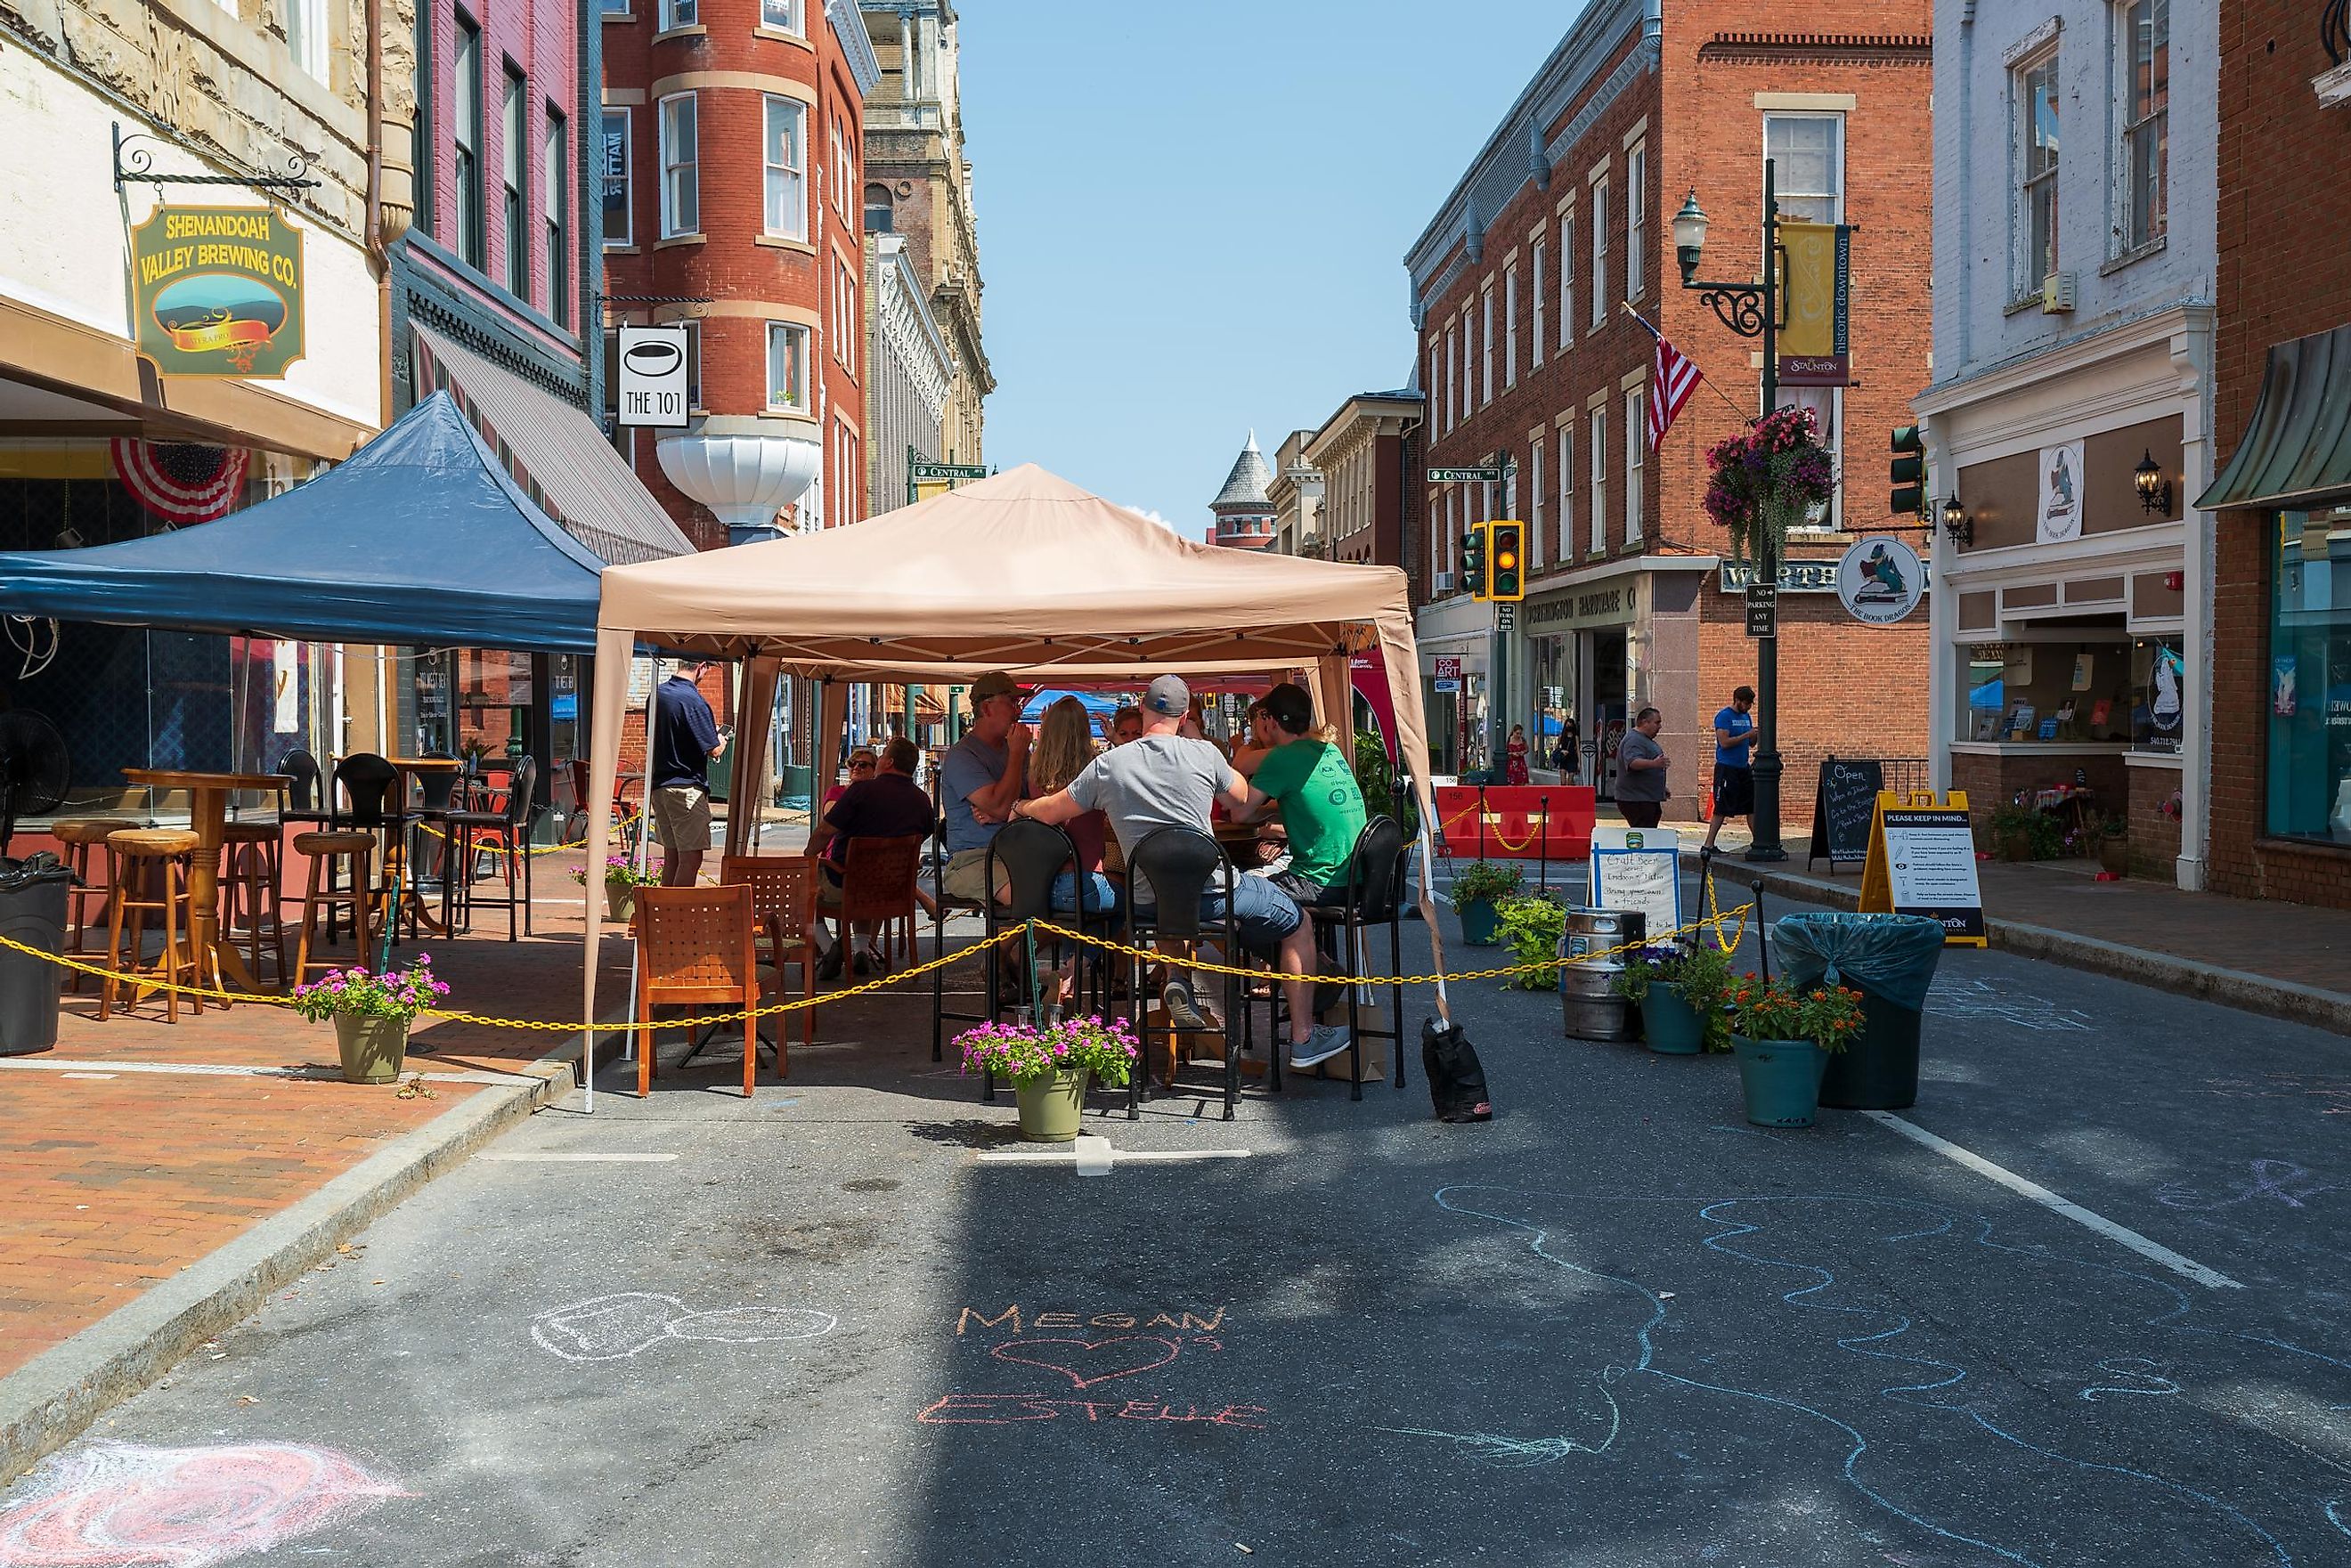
{"points": [[1639, 868], [1922, 861]]}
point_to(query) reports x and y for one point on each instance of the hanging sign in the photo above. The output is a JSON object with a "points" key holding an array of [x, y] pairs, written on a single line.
{"points": [[1815, 346], [217, 291], [653, 391], [1879, 580], [2061, 494], [286, 687], [1922, 861]]}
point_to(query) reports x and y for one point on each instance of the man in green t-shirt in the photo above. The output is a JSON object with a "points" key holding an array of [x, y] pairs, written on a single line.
{"points": [[1310, 782]]}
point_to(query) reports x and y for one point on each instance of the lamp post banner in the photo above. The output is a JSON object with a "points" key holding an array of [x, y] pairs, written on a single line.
{"points": [[1815, 346]]}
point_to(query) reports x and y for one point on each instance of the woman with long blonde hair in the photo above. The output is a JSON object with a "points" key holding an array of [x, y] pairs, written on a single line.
{"points": [[1065, 744]]}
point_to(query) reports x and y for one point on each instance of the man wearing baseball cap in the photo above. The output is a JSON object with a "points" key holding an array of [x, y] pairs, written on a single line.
{"points": [[1167, 779], [980, 778]]}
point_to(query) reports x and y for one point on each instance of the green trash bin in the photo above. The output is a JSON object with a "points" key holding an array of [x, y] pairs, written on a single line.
{"points": [[1890, 959]]}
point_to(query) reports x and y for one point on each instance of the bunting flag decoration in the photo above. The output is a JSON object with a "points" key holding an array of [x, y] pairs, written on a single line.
{"points": [[182, 483]]}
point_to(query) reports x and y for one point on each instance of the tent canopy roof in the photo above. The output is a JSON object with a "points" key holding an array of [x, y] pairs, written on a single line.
{"points": [[422, 536], [1023, 571]]}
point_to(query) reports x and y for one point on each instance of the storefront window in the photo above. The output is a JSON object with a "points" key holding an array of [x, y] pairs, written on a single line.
{"points": [[2104, 691], [2310, 677], [1551, 731]]}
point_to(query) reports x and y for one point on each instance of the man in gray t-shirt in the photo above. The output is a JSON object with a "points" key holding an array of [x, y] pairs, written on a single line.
{"points": [[1641, 771]]}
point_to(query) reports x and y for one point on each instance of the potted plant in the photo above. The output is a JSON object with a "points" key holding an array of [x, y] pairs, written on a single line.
{"points": [[2012, 831], [622, 880], [1765, 479], [1782, 1038], [1478, 887], [1530, 927], [1680, 991], [1049, 1067], [2113, 845], [371, 1014]]}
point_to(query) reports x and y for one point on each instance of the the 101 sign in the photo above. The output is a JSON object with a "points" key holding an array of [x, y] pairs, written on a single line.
{"points": [[652, 390]]}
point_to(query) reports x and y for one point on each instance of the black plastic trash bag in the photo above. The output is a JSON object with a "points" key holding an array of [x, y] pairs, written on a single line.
{"points": [[1456, 1079], [32, 912], [1890, 959]]}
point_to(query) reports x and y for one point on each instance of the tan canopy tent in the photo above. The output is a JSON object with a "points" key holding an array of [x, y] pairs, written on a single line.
{"points": [[1023, 571]]}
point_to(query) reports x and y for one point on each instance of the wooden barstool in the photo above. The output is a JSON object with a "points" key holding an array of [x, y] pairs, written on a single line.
{"points": [[80, 836], [249, 872], [131, 855], [351, 848]]}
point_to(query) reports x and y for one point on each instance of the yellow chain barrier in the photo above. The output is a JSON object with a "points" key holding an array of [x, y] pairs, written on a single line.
{"points": [[622, 826], [770, 1010]]}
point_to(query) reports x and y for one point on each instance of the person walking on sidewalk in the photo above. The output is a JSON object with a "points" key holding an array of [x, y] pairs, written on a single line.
{"points": [[1640, 792], [1735, 739], [686, 739]]}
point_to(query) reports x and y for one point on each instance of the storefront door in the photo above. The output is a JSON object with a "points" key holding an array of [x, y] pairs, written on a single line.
{"points": [[1604, 727]]}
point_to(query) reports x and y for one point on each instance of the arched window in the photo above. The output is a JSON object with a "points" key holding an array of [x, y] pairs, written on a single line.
{"points": [[879, 210]]}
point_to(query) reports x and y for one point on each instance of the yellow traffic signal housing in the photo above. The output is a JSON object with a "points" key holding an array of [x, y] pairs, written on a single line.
{"points": [[1506, 561]]}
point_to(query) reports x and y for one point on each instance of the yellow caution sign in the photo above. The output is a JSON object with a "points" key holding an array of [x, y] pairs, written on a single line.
{"points": [[1922, 861]]}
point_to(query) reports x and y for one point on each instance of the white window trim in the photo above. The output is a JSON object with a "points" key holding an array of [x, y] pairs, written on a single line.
{"points": [[669, 229], [1486, 345], [797, 330], [2119, 244], [2020, 286], [1567, 277], [1636, 163], [1636, 442], [1596, 454], [1511, 326], [1535, 443], [798, 29], [766, 141], [628, 177], [670, 20], [1566, 488], [1837, 214], [308, 31], [1598, 282], [1536, 250]]}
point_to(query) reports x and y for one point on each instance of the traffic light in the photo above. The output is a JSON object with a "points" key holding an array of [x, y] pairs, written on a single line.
{"points": [[1505, 574], [1909, 473], [1473, 558]]}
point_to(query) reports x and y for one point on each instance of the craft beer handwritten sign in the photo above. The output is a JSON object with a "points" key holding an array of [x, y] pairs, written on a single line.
{"points": [[217, 291]]}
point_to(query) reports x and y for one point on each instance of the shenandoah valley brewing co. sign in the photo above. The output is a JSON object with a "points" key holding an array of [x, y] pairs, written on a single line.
{"points": [[217, 291]]}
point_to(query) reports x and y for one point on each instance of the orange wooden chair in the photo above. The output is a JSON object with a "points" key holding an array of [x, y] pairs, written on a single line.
{"points": [[877, 886], [783, 903], [696, 945]]}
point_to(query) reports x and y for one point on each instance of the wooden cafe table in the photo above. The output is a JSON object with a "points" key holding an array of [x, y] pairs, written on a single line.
{"points": [[217, 962]]}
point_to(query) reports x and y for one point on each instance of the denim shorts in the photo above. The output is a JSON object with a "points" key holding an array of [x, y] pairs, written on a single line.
{"points": [[1102, 894]]}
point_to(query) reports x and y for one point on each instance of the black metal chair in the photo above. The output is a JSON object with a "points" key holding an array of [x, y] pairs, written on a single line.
{"points": [[941, 909], [1372, 895], [362, 803], [505, 833], [1032, 854], [436, 799], [1172, 869], [303, 794]]}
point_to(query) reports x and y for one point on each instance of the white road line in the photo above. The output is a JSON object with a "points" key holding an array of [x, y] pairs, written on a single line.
{"points": [[1107, 1156], [1092, 1152], [2154, 1251], [86, 1075], [511, 1157]]}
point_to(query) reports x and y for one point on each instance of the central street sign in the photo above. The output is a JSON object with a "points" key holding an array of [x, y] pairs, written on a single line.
{"points": [[946, 470], [1464, 475]]}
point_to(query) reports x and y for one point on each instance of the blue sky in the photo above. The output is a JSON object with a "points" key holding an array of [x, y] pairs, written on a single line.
{"points": [[1193, 217]]}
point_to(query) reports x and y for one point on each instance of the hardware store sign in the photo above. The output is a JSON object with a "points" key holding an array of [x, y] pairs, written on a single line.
{"points": [[217, 291]]}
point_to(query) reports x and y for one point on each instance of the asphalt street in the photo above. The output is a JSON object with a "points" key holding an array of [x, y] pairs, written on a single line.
{"points": [[1615, 1326]]}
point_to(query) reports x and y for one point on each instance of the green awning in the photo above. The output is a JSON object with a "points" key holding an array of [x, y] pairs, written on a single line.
{"points": [[2297, 446]]}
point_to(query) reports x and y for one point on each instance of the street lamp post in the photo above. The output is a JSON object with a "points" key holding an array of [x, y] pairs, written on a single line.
{"points": [[1751, 311]]}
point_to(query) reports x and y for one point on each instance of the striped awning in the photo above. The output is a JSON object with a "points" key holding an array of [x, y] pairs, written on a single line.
{"points": [[2297, 446], [554, 451]]}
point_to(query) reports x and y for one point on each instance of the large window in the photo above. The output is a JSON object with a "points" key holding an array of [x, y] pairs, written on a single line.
{"points": [[1827, 405], [1535, 296], [1598, 283], [1534, 502], [305, 36], [680, 14], [881, 209], [422, 144], [1485, 351], [783, 151], [554, 209], [1807, 153], [681, 174], [515, 120], [1636, 449], [787, 367], [1511, 326], [1452, 376], [473, 240], [781, 15], [613, 169], [2145, 29], [2036, 173], [1566, 279], [1566, 551], [2309, 694], [1637, 217], [1596, 504]]}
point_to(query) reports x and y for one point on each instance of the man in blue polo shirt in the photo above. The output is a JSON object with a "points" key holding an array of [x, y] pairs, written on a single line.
{"points": [[1735, 739]]}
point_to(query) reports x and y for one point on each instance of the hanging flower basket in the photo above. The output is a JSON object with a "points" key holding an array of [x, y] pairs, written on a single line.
{"points": [[1765, 479]]}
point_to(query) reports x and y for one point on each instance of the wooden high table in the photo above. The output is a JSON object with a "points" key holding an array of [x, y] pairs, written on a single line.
{"points": [[217, 962]]}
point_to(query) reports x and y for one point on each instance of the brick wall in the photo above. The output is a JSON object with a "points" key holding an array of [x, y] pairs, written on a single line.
{"points": [[2277, 281], [2154, 829]]}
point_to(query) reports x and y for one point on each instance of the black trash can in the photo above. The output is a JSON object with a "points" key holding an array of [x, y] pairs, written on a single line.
{"points": [[1890, 959], [33, 912]]}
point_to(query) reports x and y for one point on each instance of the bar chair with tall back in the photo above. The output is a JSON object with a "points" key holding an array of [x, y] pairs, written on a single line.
{"points": [[365, 783], [1372, 896], [1031, 856], [877, 887], [1171, 869], [783, 901], [696, 945], [505, 833], [944, 908]]}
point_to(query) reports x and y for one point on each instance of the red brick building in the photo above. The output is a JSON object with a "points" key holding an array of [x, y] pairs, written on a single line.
{"points": [[2281, 763], [733, 145], [1534, 365]]}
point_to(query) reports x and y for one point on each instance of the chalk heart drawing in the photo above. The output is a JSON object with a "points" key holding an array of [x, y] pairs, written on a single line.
{"points": [[1086, 1362], [125, 1505], [617, 1326]]}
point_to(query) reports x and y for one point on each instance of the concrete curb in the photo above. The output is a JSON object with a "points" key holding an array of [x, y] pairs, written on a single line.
{"points": [[53, 1398], [2287, 999]]}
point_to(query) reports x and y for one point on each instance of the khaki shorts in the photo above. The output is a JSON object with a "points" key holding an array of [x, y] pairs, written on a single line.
{"points": [[682, 817], [966, 876]]}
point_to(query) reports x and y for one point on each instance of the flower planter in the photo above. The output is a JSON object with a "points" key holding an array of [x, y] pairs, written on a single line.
{"points": [[1780, 1079], [1669, 1024], [2113, 855], [1052, 1107], [1481, 924], [372, 1048], [620, 902]]}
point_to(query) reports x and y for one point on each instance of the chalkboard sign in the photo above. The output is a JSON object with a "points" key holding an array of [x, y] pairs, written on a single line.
{"points": [[1843, 802]]}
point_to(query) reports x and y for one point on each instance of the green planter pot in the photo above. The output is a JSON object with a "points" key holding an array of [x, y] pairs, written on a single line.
{"points": [[1481, 925], [372, 1048], [620, 902], [1051, 1108], [1780, 1079], [1669, 1024]]}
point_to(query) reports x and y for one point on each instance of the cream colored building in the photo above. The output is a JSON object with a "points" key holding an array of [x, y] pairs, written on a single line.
{"points": [[1296, 491]]}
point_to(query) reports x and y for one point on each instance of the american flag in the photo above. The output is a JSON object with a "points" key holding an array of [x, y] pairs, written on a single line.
{"points": [[1672, 378]]}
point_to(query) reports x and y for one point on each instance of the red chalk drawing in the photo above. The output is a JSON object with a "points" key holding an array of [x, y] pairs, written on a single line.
{"points": [[1006, 1409], [1088, 1362], [125, 1505]]}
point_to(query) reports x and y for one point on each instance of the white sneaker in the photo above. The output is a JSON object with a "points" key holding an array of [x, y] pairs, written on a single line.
{"points": [[1327, 1041]]}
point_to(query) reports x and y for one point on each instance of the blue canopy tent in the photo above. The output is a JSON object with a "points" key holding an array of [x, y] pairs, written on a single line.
{"points": [[422, 536], [1099, 706]]}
